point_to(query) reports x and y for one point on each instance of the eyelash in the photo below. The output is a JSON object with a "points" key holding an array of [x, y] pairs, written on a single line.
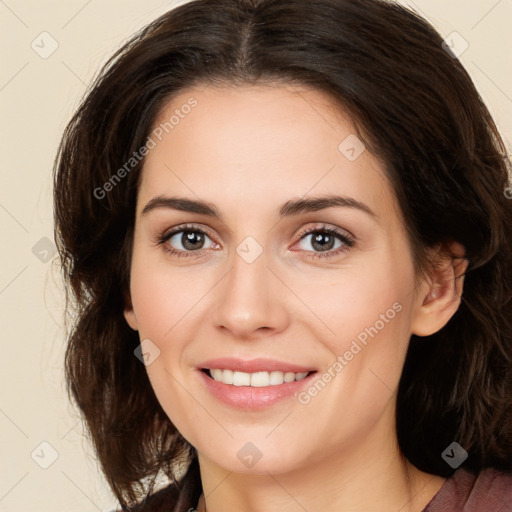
{"points": [[346, 240]]}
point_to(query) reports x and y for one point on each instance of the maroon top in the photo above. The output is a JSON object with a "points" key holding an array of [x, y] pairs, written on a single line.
{"points": [[489, 491]]}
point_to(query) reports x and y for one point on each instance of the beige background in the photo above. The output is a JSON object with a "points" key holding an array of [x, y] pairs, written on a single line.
{"points": [[37, 97]]}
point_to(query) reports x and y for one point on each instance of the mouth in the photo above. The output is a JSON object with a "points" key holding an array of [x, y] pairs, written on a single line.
{"points": [[255, 379], [254, 385]]}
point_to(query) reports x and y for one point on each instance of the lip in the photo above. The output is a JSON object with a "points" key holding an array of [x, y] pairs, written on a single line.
{"points": [[253, 365], [250, 398]]}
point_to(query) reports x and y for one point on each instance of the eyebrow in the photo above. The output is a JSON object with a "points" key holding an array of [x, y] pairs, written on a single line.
{"points": [[288, 209]]}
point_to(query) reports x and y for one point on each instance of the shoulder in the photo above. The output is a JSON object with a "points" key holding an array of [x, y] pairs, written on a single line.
{"points": [[489, 490], [162, 500], [181, 496], [494, 486]]}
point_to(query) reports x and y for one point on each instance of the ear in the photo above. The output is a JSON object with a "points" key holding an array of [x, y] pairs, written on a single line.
{"points": [[128, 312], [439, 294]]}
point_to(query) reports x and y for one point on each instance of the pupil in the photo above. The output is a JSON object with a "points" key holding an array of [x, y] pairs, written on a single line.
{"points": [[324, 246], [188, 240]]}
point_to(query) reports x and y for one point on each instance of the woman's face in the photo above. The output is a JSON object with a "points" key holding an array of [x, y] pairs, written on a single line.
{"points": [[256, 278]]}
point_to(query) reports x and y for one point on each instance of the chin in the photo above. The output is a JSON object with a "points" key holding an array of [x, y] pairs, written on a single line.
{"points": [[254, 458]]}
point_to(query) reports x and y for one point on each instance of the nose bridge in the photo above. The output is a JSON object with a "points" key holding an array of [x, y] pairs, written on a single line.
{"points": [[248, 282], [248, 300]]}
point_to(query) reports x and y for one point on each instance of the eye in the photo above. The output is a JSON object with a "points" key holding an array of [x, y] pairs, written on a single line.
{"points": [[185, 241], [189, 240], [324, 239]]}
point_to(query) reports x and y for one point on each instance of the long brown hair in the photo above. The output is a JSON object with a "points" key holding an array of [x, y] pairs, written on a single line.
{"points": [[418, 112]]}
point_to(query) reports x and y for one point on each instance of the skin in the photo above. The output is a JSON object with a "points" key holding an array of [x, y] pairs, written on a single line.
{"points": [[248, 150]]}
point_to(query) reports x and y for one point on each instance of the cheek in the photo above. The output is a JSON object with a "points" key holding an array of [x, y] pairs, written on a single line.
{"points": [[163, 306], [153, 304], [360, 301], [162, 296], [369, 319]]}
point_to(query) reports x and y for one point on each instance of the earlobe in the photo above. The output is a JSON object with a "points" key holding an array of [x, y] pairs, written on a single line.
{"points": [[129, 314], [441, 292]]}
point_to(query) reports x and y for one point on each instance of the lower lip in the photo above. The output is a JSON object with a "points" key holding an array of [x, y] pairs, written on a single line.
{"points": [[254, 398]]}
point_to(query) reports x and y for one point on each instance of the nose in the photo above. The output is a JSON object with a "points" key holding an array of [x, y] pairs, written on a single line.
{"points": [[250, 301]]}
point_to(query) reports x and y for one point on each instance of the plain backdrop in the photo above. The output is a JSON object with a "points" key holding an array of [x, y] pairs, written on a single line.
{"points": [[46, 462]]}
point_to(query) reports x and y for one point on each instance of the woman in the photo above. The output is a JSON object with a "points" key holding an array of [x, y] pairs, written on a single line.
{"points": [[285, 228]]}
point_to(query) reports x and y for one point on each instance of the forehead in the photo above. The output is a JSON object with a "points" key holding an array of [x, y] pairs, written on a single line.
{"points": [[258, 144]]}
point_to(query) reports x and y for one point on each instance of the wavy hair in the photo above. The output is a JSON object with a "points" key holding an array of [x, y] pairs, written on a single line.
{"points": [[416, 109]]}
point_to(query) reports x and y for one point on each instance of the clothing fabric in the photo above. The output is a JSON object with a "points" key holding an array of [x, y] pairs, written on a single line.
{"points": [[488, 491], [173, 498]]}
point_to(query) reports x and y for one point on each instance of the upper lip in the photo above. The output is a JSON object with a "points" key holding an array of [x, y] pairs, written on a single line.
{"points": [[253, 365]]}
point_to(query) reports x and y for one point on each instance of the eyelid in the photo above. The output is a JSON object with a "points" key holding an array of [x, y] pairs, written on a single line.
{"points": [[327, 227], [186, 227]]}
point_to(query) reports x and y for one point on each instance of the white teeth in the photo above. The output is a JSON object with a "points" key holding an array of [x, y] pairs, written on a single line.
{"points": [[257, 379], [241, 379], [216, 374], [289, 377], [227, 376], [276, 378], [260, 379]]}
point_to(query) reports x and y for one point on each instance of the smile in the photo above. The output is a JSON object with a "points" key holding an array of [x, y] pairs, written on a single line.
{"points": [[255, 389], [256, 379]]}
